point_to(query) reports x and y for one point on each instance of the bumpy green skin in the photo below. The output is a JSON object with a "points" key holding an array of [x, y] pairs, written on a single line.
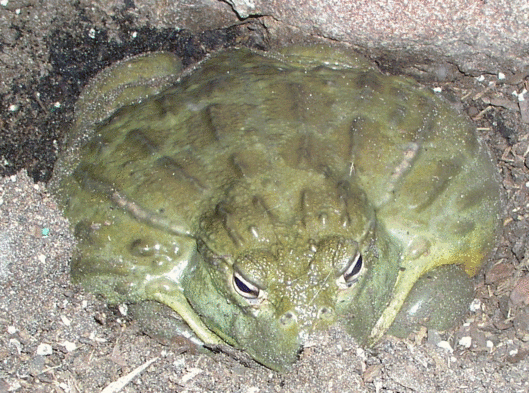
{"points": [[282, 169]]}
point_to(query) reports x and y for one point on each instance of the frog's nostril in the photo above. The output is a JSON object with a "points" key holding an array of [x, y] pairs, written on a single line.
{"points": [[326, 313], [141, 248], [288, 319]]}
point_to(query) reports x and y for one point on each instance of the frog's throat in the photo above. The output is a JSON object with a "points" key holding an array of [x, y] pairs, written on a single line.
{"points": [[178, 303]]}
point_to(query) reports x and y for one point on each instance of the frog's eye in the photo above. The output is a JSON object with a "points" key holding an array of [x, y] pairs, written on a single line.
{"points": [[245, 288], [351, 273]]}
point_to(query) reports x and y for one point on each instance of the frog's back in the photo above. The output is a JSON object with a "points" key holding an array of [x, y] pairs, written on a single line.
{"points": [[275, 127], [239, 116]]}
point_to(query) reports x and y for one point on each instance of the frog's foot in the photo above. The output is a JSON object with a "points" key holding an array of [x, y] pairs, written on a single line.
{"points": [[438, 300]]}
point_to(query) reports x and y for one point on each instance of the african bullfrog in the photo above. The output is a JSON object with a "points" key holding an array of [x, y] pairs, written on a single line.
{"points": [[263, 196]]}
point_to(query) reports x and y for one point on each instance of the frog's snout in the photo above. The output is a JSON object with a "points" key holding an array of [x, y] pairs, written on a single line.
{"points": [[302, 319]]}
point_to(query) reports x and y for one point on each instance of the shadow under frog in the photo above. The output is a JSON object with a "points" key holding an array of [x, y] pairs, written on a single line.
{"points": [[263, 196]]}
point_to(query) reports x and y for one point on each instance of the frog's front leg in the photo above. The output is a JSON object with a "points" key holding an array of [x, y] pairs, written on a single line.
{"points": [[177, 301], [166, 289], [404, 284]]}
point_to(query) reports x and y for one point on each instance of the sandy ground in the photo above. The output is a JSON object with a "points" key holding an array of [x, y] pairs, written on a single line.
{"points": [[54, 337]]}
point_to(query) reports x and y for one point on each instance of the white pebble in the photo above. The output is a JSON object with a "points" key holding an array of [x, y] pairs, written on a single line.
{"points": [[123, 309], [70, 346], [179, 363], [11, 329], [44, 350], [445, 345], [16, 344], [193, 372], [475, 305], [66, 320], [501, 75], [466, 341]]}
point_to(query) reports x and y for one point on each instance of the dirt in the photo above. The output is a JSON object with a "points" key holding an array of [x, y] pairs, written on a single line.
{"points": [[54, 337]]}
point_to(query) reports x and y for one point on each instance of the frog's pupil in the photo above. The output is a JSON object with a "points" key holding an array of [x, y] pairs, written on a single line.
{"points": [[352, 272], [244, 288]]}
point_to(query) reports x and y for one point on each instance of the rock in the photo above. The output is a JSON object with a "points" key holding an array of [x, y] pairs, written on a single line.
{"points": [[521, 325], [520, 293], [477, 36], [499, 272]]}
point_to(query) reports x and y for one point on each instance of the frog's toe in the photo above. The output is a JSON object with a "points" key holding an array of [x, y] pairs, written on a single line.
{"points": [[439, 300]]}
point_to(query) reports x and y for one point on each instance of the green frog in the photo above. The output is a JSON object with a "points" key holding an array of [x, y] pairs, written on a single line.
{"points": [[263, 196]]}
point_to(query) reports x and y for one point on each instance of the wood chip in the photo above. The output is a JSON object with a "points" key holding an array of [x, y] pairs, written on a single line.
{"points": [[116, 386]]}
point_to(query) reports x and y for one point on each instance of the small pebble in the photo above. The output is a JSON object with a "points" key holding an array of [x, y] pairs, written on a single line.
{"points": [[66, 320], [179, 363], [434, 337], [123, 309], [465, 341], [70, 346], [16, 344], [44, 350], [445, 345], [475, 305], [520, 293], [192, 373]]}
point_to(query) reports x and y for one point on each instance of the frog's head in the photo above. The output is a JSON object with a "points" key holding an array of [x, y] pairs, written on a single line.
{"points": [[263, 280]]}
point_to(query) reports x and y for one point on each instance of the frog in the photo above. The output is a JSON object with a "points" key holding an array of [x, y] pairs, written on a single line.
{"points": [[265, 196]]}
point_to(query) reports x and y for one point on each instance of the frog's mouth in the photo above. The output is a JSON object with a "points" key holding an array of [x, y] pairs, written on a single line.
{"points": [[275, 344]]}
